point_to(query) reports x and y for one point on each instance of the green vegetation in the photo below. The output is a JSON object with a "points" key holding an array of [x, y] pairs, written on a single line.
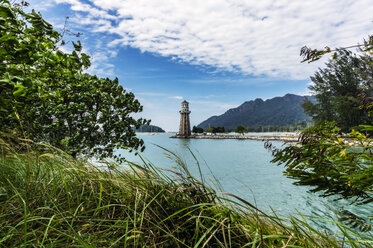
{"points": [[323, 157], [49, 199], [46, 96], [197, 129], [337, 88], [213, 129], [240, 129], [309, 55], [278, 113], [299, 126], [332, 162], [333, 165]]}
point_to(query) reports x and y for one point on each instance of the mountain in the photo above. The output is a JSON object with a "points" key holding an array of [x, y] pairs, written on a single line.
{"points": [[278, 111], [149, 129]]}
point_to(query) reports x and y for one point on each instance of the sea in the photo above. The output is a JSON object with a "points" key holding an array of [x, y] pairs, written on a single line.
{"points": [[244, 168]]}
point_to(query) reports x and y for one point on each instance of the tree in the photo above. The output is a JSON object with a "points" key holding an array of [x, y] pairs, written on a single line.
{"points": [[310, 55], [211, 129], [336, 89], [197, 129], [219, 130], [327, 161], [215, 130], [90, 116], [240, 129], [46, 96], [324, 159]]}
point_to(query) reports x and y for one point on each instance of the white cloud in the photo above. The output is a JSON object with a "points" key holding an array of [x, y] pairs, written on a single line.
{"points": [[101, 66], [253, 37], [100, 60], [77, 5], [176, 97], [40, 5]]}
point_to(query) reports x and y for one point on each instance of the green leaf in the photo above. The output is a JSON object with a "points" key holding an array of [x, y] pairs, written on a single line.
{"points": [[77, 46], [5, 12], [367, 127], [21, 90], [335, 56]]}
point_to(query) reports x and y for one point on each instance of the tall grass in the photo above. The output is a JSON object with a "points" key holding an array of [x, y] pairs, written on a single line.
{"points": [[48, 199]]}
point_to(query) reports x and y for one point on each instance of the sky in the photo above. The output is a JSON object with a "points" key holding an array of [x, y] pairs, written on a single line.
{"points": [[216, 54]]}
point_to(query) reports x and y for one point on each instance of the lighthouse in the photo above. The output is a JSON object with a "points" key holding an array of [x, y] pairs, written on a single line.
{"points": [[184, 128]]}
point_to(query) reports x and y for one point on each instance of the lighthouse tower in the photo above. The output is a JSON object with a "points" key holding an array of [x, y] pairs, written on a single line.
{"points": [[184, 129]]}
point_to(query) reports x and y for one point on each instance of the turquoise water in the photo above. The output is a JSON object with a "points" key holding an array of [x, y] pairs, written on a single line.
{"points": [[243, 168]]}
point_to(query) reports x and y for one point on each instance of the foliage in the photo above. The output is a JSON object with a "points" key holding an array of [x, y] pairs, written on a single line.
{"points": [[197, 129], [332, 165], [310, 55], [46, 95], [337, 88], [280, 128], [240, 129], [322, 158], [214, 130], [48, 199], [327, 161]]}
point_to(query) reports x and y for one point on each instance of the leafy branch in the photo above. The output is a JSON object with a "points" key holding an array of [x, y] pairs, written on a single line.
{"points": [[310, 55]]}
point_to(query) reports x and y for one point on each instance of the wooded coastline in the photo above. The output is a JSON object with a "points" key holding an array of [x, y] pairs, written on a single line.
{"points": [[287, 138]]}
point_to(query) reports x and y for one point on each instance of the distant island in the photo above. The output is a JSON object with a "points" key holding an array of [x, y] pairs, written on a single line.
{"points": [[277, 114], [149, 129]]}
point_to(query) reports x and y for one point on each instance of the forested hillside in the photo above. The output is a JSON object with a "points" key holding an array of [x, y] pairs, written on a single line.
{"points": [[278, 111]]}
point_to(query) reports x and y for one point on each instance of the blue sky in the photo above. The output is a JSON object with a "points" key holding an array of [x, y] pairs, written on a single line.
{"points": [[216, 54]]}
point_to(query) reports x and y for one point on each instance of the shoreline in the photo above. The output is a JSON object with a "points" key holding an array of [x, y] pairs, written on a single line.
{"points": [[350, 142], [244, 137]]}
